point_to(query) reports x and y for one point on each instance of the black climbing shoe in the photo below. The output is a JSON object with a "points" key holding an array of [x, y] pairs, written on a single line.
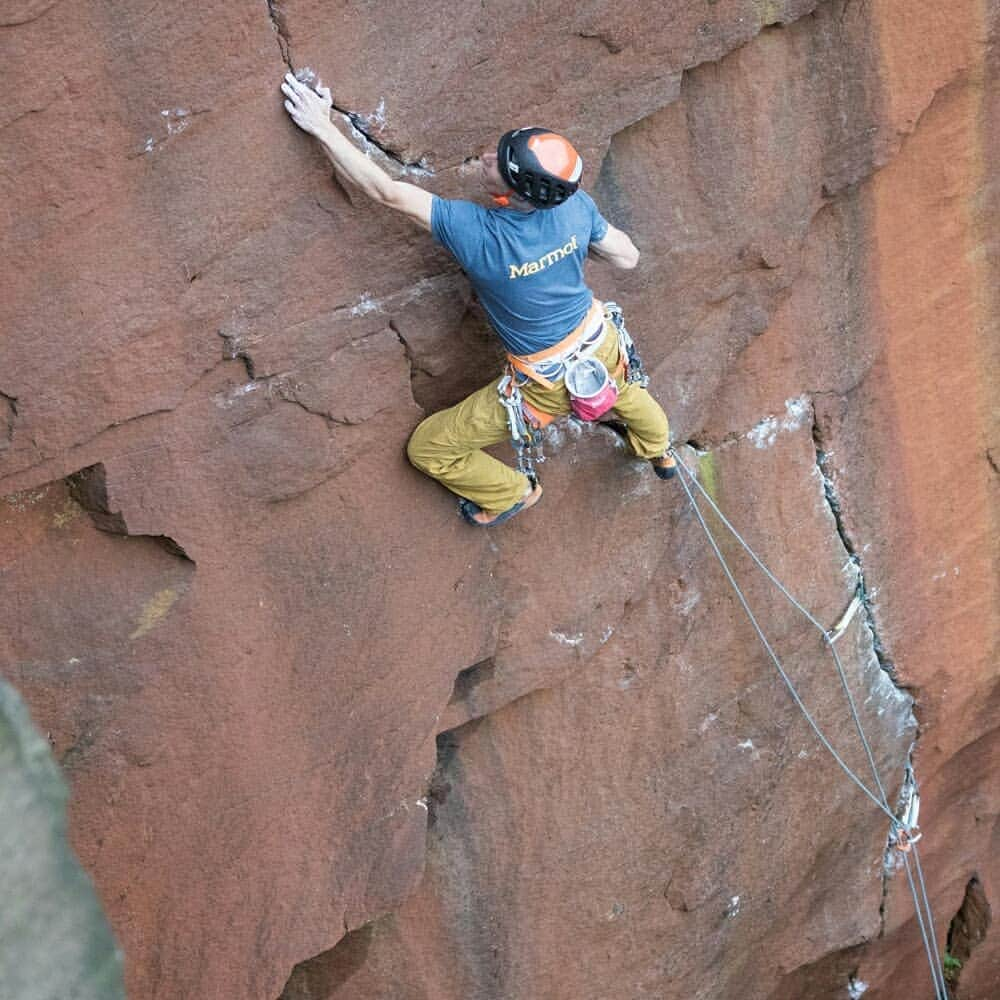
{"points": [[665, 466]]}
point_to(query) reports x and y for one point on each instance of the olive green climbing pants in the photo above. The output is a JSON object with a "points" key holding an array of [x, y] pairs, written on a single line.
{"points": [[448, 445]]}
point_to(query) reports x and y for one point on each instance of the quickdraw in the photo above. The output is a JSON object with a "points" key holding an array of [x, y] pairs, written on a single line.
{"points": [[524, 430], [905, 832]]}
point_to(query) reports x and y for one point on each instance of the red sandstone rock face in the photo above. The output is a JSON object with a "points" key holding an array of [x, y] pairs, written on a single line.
{"points": [[244, 674]]}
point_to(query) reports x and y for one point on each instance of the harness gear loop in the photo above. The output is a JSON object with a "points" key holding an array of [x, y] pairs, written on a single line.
{"points": [[524, 423], [635, 373]]}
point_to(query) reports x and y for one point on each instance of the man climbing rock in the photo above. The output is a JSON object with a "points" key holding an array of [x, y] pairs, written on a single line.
{"points": [[524, 258]]}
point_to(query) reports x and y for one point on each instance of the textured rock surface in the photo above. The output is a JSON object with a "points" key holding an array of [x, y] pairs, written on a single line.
{"points": [[299, 703], [55, 943]]}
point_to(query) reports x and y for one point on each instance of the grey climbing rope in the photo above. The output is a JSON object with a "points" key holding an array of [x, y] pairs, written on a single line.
{"points": [[930, 920], [828, 637], [900, 833], [781, 670]]}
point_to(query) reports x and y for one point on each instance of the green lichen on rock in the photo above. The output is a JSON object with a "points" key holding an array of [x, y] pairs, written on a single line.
{"points": [[707, 473], [55, 942]]}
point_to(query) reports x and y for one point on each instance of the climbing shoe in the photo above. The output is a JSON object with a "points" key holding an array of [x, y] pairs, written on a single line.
{"points": [[665, 466], [475, 515]]}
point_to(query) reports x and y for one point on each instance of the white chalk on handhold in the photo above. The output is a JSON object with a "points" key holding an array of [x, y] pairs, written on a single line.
{"points": [[795, 410], [377, 117], [419, 169], [566, 640], [176, 119], [765, 433], [366, 304]]}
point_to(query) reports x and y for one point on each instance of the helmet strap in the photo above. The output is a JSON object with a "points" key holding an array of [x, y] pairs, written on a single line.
{"points": [[502, 200]]}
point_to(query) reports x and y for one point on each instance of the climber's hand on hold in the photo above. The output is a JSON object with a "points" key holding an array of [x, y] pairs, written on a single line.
{"points": [[309, 106]]}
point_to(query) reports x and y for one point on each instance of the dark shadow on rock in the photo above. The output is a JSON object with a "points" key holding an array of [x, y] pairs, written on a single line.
{"points": [[318, 977]]}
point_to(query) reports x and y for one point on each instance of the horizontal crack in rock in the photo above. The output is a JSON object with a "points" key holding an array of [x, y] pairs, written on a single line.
{"points": [[16, 18]]}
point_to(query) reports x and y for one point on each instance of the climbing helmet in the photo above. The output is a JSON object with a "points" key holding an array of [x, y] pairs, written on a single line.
{"points": [[540, 165]]}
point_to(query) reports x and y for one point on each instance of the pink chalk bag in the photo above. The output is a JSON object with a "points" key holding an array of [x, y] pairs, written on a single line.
{"points": [[592, 390]]}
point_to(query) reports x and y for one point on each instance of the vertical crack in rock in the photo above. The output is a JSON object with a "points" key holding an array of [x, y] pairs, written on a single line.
{"points": [[280, 25], [885, 662], [408, 351], [967, 930], [461, 861], [439, 787], [359, 123], [836, 509], [7, 419]]}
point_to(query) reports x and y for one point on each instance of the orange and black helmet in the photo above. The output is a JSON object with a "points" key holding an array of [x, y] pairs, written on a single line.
{"points": [[541, 166]]}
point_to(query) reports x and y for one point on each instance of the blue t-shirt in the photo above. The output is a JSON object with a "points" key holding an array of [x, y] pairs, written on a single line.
{"points": [[526, 267]]}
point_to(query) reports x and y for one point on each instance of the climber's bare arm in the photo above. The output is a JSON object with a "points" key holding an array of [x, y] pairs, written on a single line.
{"points": [[617, 249], [310, 110]]}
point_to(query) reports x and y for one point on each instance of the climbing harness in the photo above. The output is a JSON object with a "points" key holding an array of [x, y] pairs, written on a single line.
{"points": [[548, 366], [570, 360], [903, 829], [573, 355]]}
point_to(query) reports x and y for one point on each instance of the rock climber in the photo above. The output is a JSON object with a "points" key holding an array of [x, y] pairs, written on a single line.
{"points": [[524, 257]]}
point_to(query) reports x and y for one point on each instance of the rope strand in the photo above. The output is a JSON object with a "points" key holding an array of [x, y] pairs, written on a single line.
{"points": [[788, 683], [920, 900], [930, 917], [928, 948], [804, 611]]}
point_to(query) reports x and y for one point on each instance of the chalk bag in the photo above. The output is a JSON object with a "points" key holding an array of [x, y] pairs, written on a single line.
{"points": [[592, 391]]}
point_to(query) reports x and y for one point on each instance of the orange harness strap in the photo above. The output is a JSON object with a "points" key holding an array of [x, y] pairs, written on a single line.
{"points": [[538, 419], [523, 362], [535, 417]]}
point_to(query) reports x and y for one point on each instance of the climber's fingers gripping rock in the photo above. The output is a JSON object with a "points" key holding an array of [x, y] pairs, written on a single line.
{"points": [[309, 106]]}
